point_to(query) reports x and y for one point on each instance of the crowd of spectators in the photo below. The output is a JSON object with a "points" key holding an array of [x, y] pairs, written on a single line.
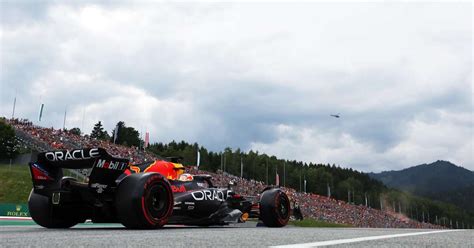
{"points": [[49, 136], [322, 208], [57, 139], [336, 211], [312, 205]]}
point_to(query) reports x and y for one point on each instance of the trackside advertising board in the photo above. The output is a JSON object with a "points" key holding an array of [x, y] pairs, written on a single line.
{"points": [[14, 210]]}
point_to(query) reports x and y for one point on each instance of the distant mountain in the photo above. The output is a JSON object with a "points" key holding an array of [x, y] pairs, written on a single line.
{"points": [[440, 180], [461, 197]]}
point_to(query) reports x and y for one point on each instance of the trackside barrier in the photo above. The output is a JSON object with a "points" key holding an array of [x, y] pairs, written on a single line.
{"points": [[14, 210]]}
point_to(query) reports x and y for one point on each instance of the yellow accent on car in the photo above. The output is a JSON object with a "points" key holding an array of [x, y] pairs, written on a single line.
{"points": [[136, 169], [245, 216], [180, 169], [149, 166]]}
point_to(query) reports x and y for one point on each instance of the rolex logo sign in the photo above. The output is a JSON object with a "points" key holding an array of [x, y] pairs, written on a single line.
{"points": [[14, 210]]}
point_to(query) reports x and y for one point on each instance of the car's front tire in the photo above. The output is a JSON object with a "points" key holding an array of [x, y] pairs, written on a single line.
{"points": [[144, 201], [274, 208]]}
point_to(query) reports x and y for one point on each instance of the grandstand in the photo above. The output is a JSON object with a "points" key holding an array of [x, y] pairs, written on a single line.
{"points": [[312, 205]]}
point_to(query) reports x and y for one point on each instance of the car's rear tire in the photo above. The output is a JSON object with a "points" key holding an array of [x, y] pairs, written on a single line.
{"points": [[144, 201], [274, 208], [41, 211]]}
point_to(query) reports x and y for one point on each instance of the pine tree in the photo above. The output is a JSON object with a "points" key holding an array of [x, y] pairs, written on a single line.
{"points": [[98, 132], [126, 136], [8, 142], [75, 130]]}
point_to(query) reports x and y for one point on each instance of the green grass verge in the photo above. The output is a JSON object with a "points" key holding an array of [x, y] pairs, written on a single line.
{"points": [[15, 183], [315, 223]]}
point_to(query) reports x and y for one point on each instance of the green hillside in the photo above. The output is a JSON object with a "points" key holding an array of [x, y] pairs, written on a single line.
{"points": [[426, 179], [15, 183], [441, 180], [462, 197]]}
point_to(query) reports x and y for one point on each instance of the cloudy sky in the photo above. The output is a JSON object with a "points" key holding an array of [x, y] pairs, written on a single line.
{"points": [[263, 76]]}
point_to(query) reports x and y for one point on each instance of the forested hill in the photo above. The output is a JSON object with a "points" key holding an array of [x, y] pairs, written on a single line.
{"points": [[440, 180], [343, 183], [461, 197], [320, 178], [426, 179]]}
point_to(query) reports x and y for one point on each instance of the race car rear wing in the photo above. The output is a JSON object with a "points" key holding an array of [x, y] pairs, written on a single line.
{"points": [[75, 159], [46, 171]]}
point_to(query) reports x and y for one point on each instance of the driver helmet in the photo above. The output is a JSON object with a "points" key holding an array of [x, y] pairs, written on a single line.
{"points": [[186, 177]]}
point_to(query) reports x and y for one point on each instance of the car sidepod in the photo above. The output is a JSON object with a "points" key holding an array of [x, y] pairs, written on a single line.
{"points": [[194, 205]]}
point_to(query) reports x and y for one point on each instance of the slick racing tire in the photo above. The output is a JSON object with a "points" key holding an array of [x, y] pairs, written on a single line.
{"points": [[41, 211], [144, 201], [274, 208]]}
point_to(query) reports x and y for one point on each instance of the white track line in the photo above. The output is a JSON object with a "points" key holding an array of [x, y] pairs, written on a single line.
{"points": [[345, 241], [14, 218]]}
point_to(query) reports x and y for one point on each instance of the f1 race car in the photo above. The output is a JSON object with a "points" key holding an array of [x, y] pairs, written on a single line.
{"points": [[142, 196]]}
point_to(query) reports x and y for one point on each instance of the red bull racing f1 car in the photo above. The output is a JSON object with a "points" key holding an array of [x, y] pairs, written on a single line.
{"points": [[143, 196]]}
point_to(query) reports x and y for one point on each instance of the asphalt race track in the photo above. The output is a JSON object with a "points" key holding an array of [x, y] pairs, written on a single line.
{"points": [[243, 235]]}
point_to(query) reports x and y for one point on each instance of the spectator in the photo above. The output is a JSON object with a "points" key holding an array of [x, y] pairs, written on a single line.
{"points": [[306, 204]]}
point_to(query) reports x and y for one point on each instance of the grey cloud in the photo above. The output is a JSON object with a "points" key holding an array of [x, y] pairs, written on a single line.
{"points": [[241, 83], [22, 12]]}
